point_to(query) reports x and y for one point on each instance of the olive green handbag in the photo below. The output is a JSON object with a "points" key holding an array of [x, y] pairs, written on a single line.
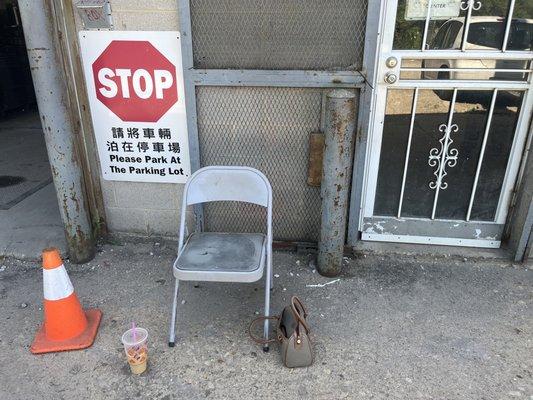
{"points": [[292, 332]]}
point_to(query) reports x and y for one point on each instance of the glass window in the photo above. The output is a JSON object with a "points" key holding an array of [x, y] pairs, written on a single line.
{"points": [[496, 157], [520, 36], [393, 148], [439, 40], [453, 32], [486, 34]]}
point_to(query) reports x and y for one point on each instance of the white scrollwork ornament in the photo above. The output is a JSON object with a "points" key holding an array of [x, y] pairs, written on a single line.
{"points": [[465, 4], [438, 157]]}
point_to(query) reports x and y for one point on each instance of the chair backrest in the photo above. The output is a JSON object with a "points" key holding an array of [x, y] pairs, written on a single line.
{"points": [[220, 183]]}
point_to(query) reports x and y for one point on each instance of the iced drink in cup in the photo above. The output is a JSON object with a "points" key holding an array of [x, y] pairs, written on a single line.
{"points": [[136, 349]]}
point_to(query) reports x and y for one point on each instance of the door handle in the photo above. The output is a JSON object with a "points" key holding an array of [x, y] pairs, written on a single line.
{"points": [[15, 15]]}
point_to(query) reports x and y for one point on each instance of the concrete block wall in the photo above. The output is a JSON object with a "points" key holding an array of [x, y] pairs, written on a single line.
{"points": [[145, 15], [136, 207]]}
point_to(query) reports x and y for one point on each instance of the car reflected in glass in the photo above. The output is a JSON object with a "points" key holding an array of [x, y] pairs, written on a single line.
{"points": [[485, 33]]}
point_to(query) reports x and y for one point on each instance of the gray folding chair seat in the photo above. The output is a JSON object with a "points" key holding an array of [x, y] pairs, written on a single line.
{"points": [[225, 257], [221, 256]]}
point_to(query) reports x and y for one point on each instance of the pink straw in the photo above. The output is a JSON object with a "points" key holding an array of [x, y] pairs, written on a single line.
{"points": [[133, 331]]}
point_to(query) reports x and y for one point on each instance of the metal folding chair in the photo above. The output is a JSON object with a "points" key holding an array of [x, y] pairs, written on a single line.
{"points": [[224, 257]]}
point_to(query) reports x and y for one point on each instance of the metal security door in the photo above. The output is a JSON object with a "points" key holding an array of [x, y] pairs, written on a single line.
{"points": [[452, 109], [255, 77]]}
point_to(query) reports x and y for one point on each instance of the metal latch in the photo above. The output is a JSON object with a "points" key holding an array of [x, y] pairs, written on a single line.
{"points": [[391, 78]]}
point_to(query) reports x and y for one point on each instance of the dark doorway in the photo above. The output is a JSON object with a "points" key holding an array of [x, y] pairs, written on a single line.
{"points": [[29, 214]]}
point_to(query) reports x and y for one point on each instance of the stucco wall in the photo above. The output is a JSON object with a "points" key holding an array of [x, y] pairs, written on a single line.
{"points": [[133, 207]]}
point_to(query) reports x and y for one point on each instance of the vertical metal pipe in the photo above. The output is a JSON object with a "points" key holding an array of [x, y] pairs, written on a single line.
{"points": [[339, 131], [52, 100]]}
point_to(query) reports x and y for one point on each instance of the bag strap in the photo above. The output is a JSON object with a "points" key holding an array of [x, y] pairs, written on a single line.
{"points": [[299, 311], [256, 320], [295, 301]]}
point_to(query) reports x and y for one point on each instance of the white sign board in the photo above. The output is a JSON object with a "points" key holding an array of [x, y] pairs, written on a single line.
{"points": [[137, 99], [440, 9]]}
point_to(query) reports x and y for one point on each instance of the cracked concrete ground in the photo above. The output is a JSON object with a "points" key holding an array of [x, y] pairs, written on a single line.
{"points": [[393, 327]]}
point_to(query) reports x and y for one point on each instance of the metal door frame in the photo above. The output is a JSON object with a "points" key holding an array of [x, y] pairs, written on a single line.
{"points": [[194, 77], [370, 149]]}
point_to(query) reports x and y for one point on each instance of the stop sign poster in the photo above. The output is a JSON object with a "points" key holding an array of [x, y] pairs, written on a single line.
{"points": [[136, 94]]}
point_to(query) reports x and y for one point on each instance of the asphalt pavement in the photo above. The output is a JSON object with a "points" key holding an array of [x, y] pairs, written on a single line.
{"points": [[391, 327]]}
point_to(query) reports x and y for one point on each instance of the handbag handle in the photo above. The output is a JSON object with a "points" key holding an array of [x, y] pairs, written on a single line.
{"points": [[256, 339], [298, 309], [295, 301]]}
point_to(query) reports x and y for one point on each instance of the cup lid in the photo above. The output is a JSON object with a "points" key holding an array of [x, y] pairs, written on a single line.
{"points": [[141, 335]]}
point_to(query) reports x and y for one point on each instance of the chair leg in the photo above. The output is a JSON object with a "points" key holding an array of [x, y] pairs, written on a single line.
{"points": [[268, 285], [172, 332]]}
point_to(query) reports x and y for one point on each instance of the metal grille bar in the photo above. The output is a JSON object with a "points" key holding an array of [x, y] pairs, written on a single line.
{"points": [[482, 152], [426, 25], [276, 78], [469, 4], [457, 54], [508, 25], [408, 150], [444, 154]]}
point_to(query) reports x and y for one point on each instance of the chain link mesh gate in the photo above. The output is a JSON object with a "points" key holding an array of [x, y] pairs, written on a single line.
{"points": [[255, 76]]}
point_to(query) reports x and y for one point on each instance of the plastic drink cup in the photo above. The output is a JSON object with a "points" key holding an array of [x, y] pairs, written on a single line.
{"points": [[136, 349]]}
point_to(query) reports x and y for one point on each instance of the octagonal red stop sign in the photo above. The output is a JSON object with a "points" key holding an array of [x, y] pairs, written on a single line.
{"points": [[135, 81]]}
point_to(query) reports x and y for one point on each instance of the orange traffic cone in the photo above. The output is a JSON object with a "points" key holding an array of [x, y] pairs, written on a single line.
{"points": [[66, 326]]}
